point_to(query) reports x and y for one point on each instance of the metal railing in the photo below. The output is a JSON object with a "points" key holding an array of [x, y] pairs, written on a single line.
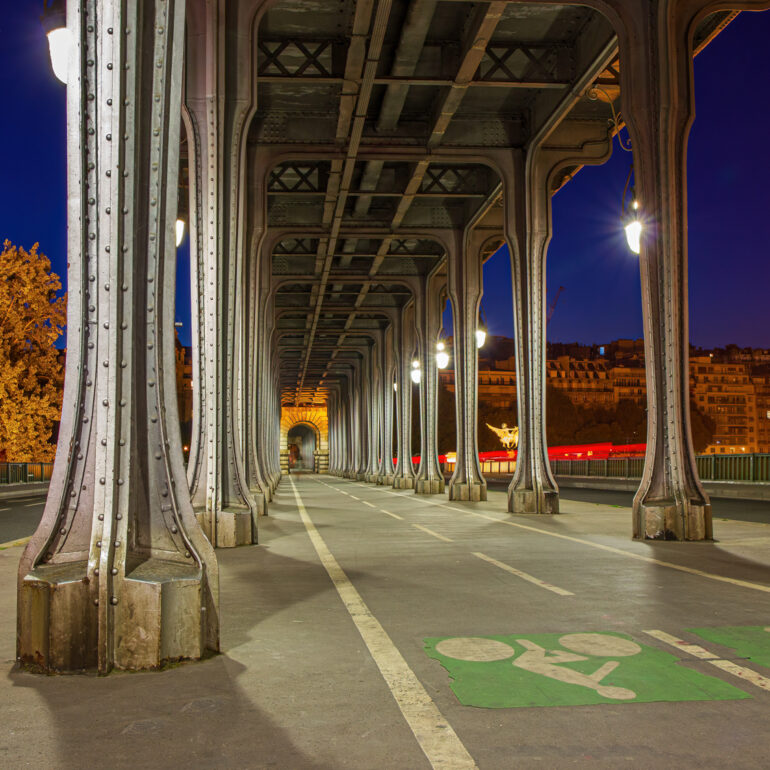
{"points": [[24, 473], [744, 468]]}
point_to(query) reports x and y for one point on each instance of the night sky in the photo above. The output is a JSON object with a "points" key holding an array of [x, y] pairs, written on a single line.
{"points": [[729, 203]]}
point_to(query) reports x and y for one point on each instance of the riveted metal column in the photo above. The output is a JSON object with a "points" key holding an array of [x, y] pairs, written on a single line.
{"points": [[220, 121], [363, 414], [256, 300], [385, 471], [430, 480], [465, 290], [375, 409], [530, 177], [403, 476], [533, 488], [118, 573], [656, 55]]}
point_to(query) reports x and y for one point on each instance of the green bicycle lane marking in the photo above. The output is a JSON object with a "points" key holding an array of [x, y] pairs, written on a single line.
{"points": [[578, 669], [750, 642]]}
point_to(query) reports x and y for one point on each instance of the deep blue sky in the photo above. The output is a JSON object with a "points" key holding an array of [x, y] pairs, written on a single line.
{"points": [[729, 203]]}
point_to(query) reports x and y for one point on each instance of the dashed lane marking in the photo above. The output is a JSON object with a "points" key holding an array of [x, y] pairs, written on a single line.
{"points": [[435, 534], [31, 505], [602, 547], [394, 515], [525, 576], [747, 674], [371, 505], [434, 734], [5, 509]]}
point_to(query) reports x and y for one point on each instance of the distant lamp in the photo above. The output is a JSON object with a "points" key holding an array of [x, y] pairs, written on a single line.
{"points": [[481, 337], [179, 232], [442, 357], [632, 221], [60, 43], [395, 386], [416, 373]]}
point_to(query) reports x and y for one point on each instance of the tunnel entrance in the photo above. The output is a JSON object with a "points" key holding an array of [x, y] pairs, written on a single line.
{"points": [[301, 442]]}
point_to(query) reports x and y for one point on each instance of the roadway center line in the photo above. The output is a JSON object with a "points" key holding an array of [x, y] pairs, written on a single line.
{"points": [[608, 548], [371, 505], [30, 505], [697, 651], [525, 576], [435, 534], [394, 515], [5, 509], [434, 734]]}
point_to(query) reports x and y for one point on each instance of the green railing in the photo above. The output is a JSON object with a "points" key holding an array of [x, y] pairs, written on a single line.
{"points": [[24, 473], [744, 468]]}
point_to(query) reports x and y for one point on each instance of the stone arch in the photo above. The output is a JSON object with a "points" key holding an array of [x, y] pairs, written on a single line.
{"points": [[316, 419]]}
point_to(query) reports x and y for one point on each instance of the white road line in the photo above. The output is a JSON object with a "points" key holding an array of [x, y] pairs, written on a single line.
{"points": [[525, 576], [5, 509], [12, 543], [608, 548], [434, 734], [747, 674], [394, 515], [371, 505], [435, 534], [30, 505]]}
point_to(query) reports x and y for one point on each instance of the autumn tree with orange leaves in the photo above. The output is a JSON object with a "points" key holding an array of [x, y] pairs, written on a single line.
{"points": [[32, 316]]}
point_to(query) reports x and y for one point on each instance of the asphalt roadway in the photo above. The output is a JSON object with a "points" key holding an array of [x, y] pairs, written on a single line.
{"points": [[18, 518], [373, 629]]}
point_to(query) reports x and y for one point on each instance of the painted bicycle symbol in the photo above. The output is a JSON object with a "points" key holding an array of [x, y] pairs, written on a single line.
{"points": [[550, 663]]}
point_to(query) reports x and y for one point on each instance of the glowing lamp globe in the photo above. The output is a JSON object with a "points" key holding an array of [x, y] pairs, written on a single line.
{"points": [[442, 357], [416, 373], [179, 232], [481, 338], [60, 48]]}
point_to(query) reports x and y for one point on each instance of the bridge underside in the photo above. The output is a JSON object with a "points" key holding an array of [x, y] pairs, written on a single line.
{"points": [[346, 168]]}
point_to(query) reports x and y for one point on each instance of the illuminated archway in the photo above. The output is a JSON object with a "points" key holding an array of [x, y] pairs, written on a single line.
{"points": [[315, 419]]}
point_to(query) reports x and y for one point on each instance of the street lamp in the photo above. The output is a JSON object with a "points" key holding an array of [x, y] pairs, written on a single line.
{"points": [[481, 336], [442, 357], [60, 43], [416, 373]]}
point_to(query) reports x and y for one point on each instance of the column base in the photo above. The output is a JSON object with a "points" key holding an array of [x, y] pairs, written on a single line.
{"points": [[371, 478], [233, 527], [58, 621], [474, 493], [403, 482], [260, 498], [385, 481], [360, 477], [528, 501], [158, 617], [669, 520], [429, 487]]}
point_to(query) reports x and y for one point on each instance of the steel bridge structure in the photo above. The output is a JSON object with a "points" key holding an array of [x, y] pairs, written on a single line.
{"points": [[348, 166]]}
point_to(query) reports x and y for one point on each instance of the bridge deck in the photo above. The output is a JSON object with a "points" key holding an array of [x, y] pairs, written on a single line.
{"points": [[307, 672]]}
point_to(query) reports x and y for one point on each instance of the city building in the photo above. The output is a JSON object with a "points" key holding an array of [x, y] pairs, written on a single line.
{"points": [[729, 385]]}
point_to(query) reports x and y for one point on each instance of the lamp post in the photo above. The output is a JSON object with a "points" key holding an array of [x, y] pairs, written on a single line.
{"points": [[416, 373], [60, 43]]}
